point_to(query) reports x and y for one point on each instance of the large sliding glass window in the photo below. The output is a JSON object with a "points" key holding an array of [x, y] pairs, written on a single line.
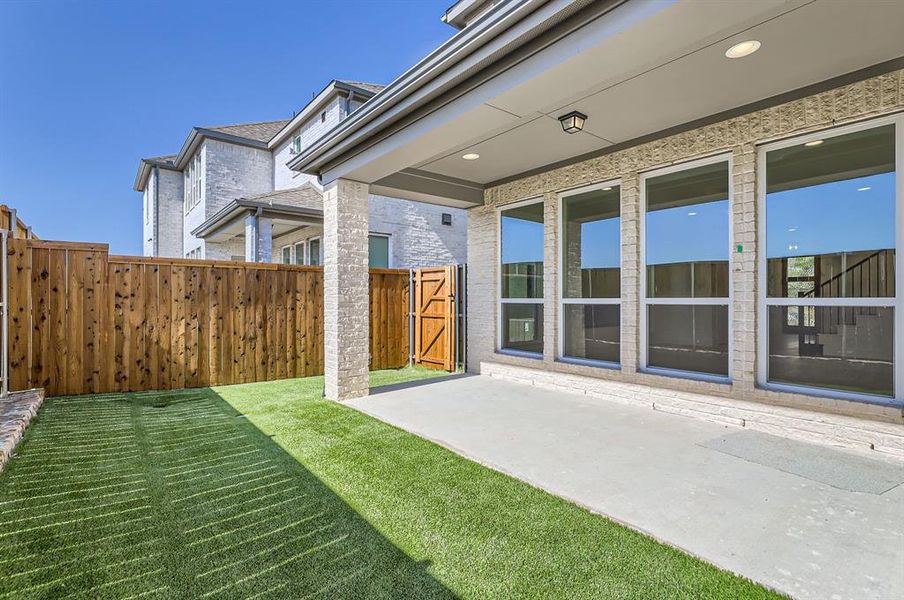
{"points": [[686, 250], [521, 297], [591, 275], [830, 213]]}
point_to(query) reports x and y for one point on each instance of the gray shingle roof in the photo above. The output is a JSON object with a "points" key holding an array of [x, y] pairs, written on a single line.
{"points": [[306, 196], [260, 132], [168, 159], [370, 87]]}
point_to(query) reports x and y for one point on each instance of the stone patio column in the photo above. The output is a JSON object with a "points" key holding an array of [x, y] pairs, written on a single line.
{"points": [[345, 290], [258, 239]]}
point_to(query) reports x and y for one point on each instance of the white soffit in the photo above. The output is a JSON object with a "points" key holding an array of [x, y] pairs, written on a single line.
{"points": [[663, 71]]}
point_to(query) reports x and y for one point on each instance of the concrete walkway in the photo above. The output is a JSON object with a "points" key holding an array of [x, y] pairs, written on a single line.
{"points": [[810, 521]]}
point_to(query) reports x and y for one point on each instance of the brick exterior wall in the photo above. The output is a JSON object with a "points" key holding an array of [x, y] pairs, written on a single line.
{"points": [[739, 137], [312, 129], [163, 214], [417, 236], [149, 217], [169, 230]]}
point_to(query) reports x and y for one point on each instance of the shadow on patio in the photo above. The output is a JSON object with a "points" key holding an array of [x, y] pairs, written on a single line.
{"points": [[179, 495]]}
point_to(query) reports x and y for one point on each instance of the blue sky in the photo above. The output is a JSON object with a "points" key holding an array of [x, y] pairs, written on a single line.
{"points": [[857, 214], [87, 88]]}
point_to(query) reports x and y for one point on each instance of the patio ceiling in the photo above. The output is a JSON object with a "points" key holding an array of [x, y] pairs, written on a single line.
{"points": [[636, 69]]}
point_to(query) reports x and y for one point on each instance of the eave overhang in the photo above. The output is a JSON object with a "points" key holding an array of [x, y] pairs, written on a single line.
{"points": [[467, 54], [333, 88], [242, 208], [145, 166]]}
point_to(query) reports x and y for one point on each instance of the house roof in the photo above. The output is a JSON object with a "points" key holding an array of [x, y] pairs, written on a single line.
{"points": [[434, 74], [163, 161], [306, 196], [146, 164], [262, 131], [261, 134], [359, 89], [283, 205], [369, 87]]}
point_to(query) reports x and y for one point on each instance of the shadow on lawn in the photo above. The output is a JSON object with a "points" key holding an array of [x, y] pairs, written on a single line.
{"points": [[178, 495]]}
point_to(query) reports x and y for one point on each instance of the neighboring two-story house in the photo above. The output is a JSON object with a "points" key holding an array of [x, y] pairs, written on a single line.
{"points": [[228, 195]]}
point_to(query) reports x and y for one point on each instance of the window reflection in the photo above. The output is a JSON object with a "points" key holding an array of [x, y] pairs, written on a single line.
{"points": [[847, 348], [591, 244], [687, 233], [521, 236], [522, 252], [830, 233], [522, 327], [592, 331]]}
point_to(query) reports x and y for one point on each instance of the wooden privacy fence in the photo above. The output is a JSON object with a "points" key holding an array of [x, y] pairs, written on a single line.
{"points": [[82, 321], [13, 224]]}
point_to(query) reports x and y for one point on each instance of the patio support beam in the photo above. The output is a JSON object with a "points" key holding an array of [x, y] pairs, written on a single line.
{"points": [[345, 290], [258, 238]]}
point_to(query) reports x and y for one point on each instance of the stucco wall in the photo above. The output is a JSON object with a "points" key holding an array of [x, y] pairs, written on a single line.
{"points": [[738, 137]]}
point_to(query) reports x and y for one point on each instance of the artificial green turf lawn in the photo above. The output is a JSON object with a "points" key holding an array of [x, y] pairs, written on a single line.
{"points": [[266, 490]]}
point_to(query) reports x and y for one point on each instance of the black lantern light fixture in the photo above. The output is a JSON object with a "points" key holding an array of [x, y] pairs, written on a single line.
{"points": [[573, 122]]}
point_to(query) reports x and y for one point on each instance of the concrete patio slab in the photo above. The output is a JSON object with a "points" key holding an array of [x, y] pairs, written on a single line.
{"points": [[659, 473]]}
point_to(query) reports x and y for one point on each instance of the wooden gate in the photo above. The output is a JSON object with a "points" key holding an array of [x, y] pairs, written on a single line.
{"points": [[435, 318]]}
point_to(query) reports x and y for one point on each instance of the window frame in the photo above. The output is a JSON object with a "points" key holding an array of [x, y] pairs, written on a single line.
{"points": [[304, 252], [308, 251], [500, 301], [644, 302], [763, 301], [388, 237], [561, 300], [282, 254]]}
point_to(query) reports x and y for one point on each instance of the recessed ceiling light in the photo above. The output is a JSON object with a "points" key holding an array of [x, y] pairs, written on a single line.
{"points": [[864, 189], [470, 156], [792, 229], [743, 49], [692, 214], [814, 143], [607, 189]]}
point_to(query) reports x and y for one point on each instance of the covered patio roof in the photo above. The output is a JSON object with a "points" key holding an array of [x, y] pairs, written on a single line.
{"points": [[639, 70], [281, 207]]}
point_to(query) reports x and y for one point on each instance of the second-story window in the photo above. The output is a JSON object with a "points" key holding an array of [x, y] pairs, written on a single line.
{"points": [[198, 173], [186, 189], [193, 182], [296, 144]]}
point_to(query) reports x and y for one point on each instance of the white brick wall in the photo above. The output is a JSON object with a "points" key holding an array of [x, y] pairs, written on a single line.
{"points": [[419, 239], [170, 227], [149, 217], [311, 130], [165, 187], [739, 136]]}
